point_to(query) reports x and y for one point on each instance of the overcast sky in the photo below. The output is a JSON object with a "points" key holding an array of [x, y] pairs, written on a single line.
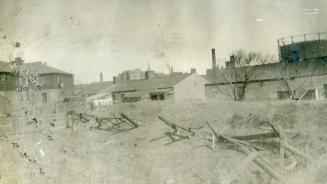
{"points": [[87, 37]]}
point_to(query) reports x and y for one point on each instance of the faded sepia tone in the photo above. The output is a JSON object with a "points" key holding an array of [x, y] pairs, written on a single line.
{"points": [[163, 91]]}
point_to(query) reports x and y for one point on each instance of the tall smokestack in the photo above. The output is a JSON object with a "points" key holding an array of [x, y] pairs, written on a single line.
{"points": [[101, 77], [213, 53]]}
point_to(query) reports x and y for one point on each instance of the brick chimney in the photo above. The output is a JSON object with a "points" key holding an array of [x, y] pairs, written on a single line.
{"points": [[101, 77], [213, 54], [232, 60]]}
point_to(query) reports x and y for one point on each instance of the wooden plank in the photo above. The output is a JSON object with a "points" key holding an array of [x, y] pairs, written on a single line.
{"points": [[244, 149], [174, 126], [256, 136], [129, 120], [218, 137], [261, 162], [167, 122], [283, 139], [213, 142], [297, 152]]}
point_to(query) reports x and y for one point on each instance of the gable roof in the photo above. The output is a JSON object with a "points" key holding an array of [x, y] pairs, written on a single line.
{"points": [[4, 67], [154, 83], [99, 96], [92, 88], [42, 68], [37, 67]]}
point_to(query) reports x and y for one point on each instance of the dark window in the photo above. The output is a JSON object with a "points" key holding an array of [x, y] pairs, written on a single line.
{"points": [[153, 96], [157, 96], [44, 98], [325, 90], [161, 96], [2, 77], [309, 95]]}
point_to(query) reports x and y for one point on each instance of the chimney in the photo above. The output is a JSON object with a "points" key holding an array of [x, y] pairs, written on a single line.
{"points": [[18, 61], [232, 60], [193, 70], [101, 77], [213, 53]]}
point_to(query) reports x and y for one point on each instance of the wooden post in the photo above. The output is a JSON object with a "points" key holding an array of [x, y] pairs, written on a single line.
{"points": [[283, 140], [213, 141], [67, 120]]}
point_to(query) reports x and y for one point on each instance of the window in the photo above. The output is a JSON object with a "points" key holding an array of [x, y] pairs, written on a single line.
{"points": [[161, 96], [153, 96], [2, 77], [157, 96], [44, 98], [309, 95]]}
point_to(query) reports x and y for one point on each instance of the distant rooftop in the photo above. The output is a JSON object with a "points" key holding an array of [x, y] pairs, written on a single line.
{"points": [[153, 83]]}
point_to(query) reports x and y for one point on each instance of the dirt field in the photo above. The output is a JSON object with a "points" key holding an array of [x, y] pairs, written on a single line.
{"points": [[57, 155]]}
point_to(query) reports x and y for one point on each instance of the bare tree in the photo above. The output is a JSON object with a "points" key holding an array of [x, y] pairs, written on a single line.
{"points": [[292, 82], [241, 70]]}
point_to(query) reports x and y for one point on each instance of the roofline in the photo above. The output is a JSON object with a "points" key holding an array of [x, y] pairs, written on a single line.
{"points": [[55, 73], [135, 90], [132, 90], [166, 87], [260, 80]]}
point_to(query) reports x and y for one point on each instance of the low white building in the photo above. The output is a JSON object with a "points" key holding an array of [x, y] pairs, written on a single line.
{"points": [[101, 99]]}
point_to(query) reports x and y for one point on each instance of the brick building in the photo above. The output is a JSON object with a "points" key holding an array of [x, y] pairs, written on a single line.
{"points": [[127, 75], [35, 82]]}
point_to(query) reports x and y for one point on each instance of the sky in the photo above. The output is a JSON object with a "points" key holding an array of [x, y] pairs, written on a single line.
{"points": [[86, 37]]}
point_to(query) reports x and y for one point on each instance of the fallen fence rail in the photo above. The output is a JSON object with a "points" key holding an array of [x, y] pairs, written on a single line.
{"points": [[73, 119]]}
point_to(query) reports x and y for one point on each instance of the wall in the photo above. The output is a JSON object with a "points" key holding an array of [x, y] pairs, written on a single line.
{"points": [[52, 81], [191, 88], [265, 90], [33, 99], [8, 82], [308, 49]]}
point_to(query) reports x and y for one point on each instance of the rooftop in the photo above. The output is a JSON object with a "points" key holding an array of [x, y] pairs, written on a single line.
{"points": [[154, 83], [273, 71], [37, 67]]}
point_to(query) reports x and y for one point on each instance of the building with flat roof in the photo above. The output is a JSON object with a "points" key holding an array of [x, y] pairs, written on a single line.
{"points": [[177, 88]]}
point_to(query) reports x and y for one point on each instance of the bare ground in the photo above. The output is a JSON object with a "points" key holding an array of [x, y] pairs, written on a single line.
{"points": [[61, 156]]}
